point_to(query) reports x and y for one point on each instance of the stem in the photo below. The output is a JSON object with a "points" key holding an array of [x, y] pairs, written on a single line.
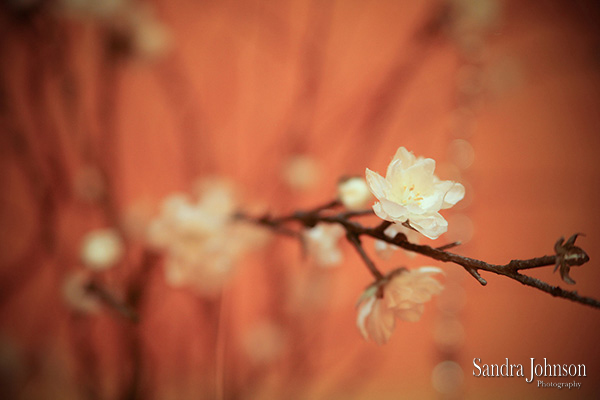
{"points": [[111, 301], [355, 240]]}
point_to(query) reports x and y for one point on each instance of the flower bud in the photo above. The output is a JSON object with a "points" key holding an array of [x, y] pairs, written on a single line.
{"points": [[301, 172], [354, 193], [101, 249]]}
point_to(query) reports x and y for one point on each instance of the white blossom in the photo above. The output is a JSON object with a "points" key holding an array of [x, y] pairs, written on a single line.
{"points": [[411, 192], [385, 250], [150, 38], [201, 240], [354, 193], [75, 293], [102, 249], [264, 342], [322, 244], [301, 172], [146, 36], [401, 296]]}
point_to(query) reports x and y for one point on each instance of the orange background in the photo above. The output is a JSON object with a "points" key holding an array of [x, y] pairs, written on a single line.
{"points": [[245, 86]]}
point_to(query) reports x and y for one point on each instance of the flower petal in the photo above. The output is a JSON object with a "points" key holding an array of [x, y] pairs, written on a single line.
{"points": [[379, 211], [411, 315], [380, 323], [395, 173], [429, 270], [364, 310], [454, 195], [377, 184], [396, 212], [407, 158], [432, 225]]}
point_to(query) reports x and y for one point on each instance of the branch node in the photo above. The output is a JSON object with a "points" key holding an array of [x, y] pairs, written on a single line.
{"points": [[476, 275]]}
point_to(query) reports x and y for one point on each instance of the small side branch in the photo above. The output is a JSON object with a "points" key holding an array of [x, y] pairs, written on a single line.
{"points": [[112, 302], [354, 239]]}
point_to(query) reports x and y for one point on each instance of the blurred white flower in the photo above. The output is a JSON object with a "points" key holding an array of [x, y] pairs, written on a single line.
{"points": [[402, 295], [475, 15], [75, 293], [385, 250], [201, 239], [102, 249], [322, 244], [90, 8], [354, 193], [264, 342], [150, 38], [411, 192], [301, 172], [135, 23]]}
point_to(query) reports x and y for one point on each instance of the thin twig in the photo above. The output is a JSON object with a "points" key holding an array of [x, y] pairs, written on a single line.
{"points": [[112, 302], [354, 239]]}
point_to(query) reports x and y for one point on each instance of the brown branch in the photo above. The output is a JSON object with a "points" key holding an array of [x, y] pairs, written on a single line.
{"points": [[355, 240], [355, 230], [111, 301]]}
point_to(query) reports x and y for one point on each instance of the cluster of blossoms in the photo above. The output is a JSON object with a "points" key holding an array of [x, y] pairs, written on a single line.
{"points": [[203, 241], [200, 237], [411, 197]]}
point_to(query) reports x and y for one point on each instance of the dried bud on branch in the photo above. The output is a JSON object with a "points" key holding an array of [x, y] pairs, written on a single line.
{"points": [[568, 255]]}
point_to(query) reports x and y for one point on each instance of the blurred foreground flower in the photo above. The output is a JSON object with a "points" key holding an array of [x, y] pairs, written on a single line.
{"points": [[411, 193], [401, 295], [301, 172], [264, 343], [135, 29], [150, 38], [201, 239], [322, 244], [102, 249], [354, 193]]}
